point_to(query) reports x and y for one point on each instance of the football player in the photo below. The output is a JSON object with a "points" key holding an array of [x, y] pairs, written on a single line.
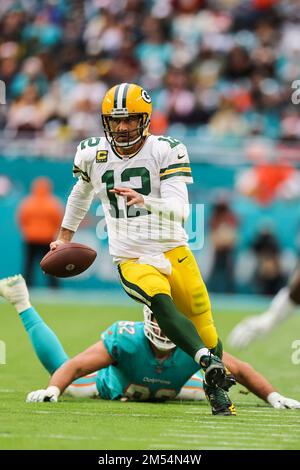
{"points": [[141, 181], [132, 361], [284, 304]]}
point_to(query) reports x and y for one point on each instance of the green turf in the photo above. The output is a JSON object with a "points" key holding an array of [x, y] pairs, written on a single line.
{"points": [[98, 424]]}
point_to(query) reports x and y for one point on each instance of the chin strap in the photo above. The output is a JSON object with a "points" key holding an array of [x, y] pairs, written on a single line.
{"points": [[129, 155]]}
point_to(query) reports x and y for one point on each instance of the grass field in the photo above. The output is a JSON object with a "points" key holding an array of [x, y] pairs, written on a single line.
{"points": [[99, 424]]}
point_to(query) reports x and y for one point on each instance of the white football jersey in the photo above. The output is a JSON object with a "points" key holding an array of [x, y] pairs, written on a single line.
{"points": [[134, 231]]}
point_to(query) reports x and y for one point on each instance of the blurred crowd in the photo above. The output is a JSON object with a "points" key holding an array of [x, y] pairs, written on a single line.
{"points": [[223, 67], [266, 269]]}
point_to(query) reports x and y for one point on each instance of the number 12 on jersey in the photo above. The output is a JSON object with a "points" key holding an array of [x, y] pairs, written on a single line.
{"points": [[109, 179]]}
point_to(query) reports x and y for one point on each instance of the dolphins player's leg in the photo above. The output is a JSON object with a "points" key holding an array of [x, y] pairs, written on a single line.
{"points": [[44, 341]]}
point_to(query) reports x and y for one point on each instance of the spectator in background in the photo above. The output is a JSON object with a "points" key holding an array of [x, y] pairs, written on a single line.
{"points": [[39, 217], [8, 64], [178, 101], [268, 179], [12, 22], [154, 52], [223, 234], [32, 73], [269, 277], [104, 34], [27, 114], [84, 99], [233, 61], [227, 121]]}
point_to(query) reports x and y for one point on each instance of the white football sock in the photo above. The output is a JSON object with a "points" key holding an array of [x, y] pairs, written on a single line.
{"points": [[201, 352]]}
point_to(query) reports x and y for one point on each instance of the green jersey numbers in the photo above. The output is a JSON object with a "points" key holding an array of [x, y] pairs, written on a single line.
{"points": [[109, 179], [91, 142], [171, 141], [133, 230]]}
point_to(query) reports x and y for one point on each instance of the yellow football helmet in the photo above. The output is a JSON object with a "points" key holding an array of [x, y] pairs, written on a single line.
{"points": [[123, 101]]}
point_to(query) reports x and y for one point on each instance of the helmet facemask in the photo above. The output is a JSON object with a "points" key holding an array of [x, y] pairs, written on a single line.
{"points": [[129, 138], [154, 334]]}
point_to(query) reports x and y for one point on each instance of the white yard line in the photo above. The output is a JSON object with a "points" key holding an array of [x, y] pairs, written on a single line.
{"points": [[194, 437], [241, 412], [83, 413], [225, 445], [259, 425], [50, 436]]}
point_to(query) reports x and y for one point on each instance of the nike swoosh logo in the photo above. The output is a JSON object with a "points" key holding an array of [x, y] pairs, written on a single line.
{"points": [[180, 157], [182, 259]]}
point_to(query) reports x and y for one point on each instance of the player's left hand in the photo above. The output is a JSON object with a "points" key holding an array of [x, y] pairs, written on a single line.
{"points": [[50, 394], [132, 196]]}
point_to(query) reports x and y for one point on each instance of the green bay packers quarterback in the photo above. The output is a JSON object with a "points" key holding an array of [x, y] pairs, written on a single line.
{"points": [[141, 180]]}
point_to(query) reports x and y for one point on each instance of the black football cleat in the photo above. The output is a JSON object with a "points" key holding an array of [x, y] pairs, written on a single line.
{"points": [[229, 380], [215, 372], [219, 401]]}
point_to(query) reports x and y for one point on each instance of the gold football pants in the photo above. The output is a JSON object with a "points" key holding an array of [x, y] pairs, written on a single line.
{"points": [[185, 285]]}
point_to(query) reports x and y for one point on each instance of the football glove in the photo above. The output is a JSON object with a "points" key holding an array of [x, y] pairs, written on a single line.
{"points": [[249, 330], [50, 394], [280, 403]]}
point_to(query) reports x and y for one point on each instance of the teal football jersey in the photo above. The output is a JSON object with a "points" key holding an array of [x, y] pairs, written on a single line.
{"points": [[137, 373]]}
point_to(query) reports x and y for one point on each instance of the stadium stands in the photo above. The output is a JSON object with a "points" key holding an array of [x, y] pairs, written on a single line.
{"points": [[215, 69]]}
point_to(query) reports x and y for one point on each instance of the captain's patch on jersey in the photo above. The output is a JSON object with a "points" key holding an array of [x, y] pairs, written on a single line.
{"points": [[101, 156]]}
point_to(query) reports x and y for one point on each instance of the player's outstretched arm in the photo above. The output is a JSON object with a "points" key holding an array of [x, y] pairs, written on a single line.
{"points": [[256, 383], [257, 326], [78, 204], [93, 359]]}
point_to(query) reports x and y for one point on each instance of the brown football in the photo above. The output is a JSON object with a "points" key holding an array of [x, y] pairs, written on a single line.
{"points": [[67, 260]]}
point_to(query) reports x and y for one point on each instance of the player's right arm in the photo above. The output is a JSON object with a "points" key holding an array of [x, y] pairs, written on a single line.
{"points": [[256, 383], [79, 200], [175, 174], [94, 358]]}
